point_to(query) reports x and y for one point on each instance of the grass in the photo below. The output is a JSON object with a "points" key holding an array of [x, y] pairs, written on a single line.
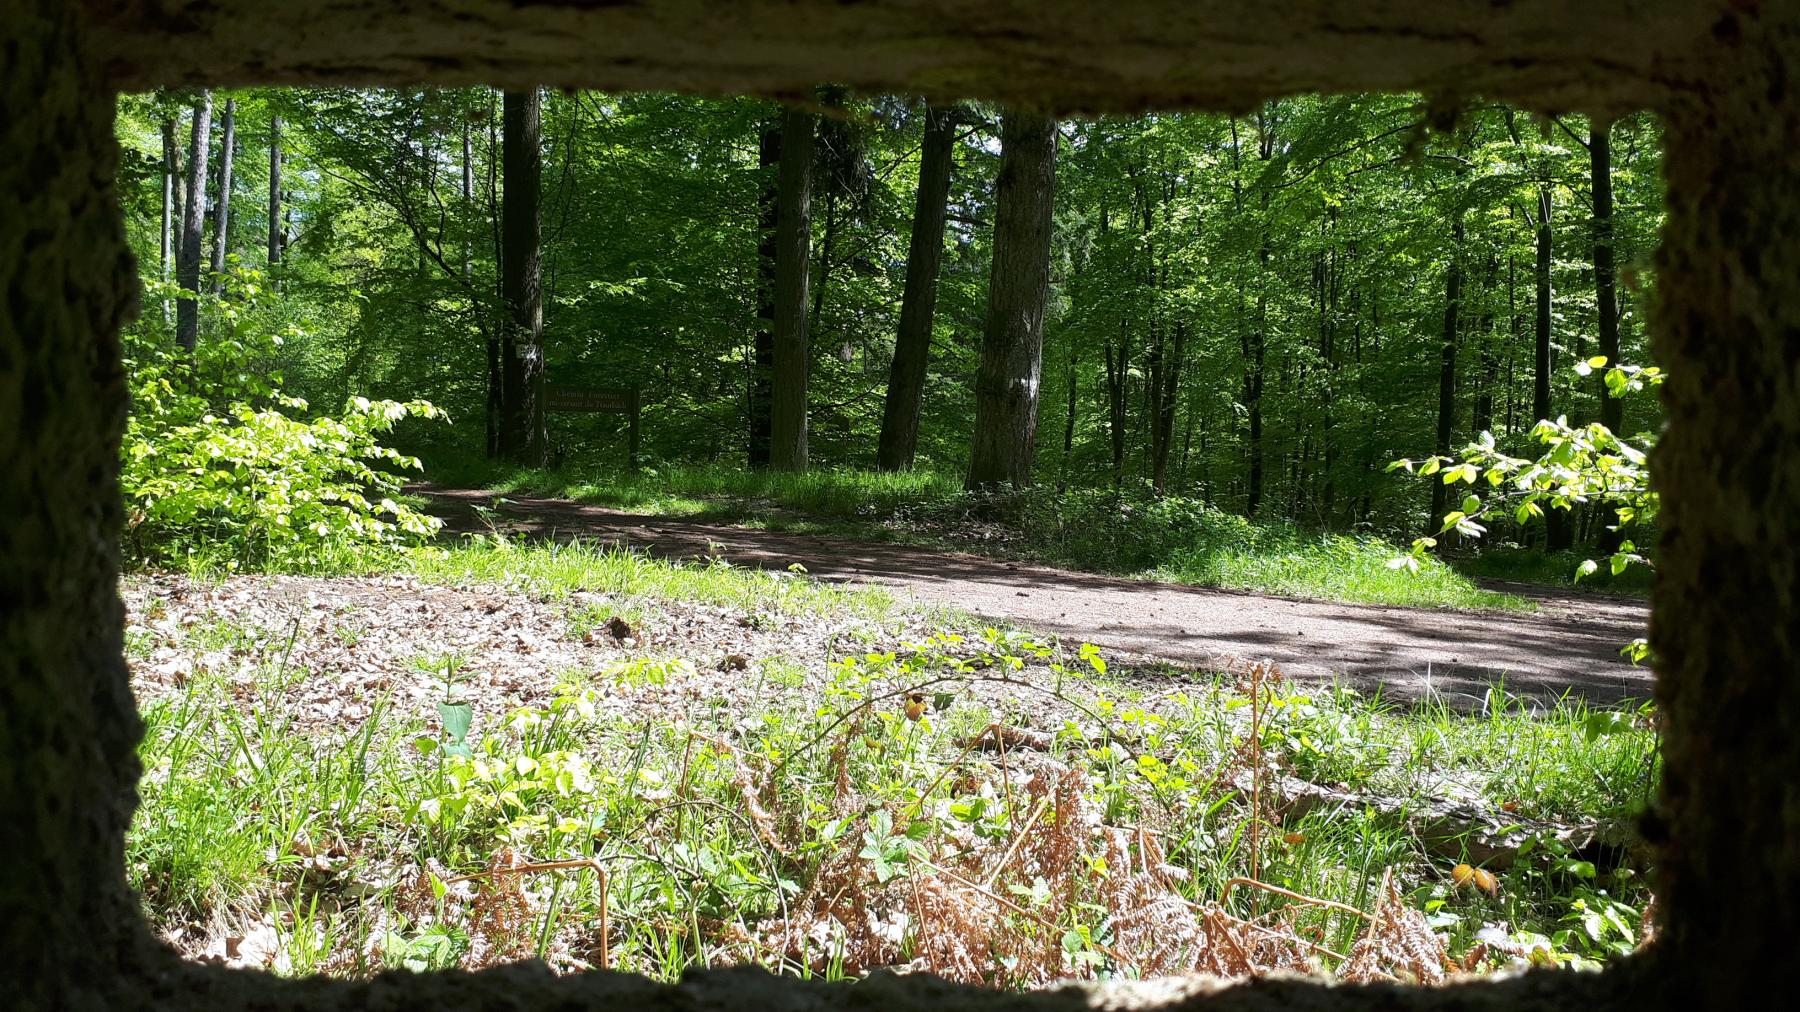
{"points": [[1331, 567], [1167, 538], [1555, 569], [577, 566], [654, 846]]}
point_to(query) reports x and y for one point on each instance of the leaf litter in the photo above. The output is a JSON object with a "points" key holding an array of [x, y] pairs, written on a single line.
{"points": [[1072, 892]]}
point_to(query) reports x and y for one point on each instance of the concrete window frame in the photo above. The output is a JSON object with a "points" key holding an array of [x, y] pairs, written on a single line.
{"points": [[1726, 612]]}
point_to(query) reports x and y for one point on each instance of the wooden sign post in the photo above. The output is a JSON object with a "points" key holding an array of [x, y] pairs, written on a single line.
{"points": [[600, 400]]}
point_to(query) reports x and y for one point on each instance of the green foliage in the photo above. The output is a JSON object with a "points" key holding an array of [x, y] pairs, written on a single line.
{"points": [[222, 468], [1576, 465]]}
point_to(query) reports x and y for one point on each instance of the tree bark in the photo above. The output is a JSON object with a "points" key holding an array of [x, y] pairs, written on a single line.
{"points": [[522, 342], [918, 302], [1163, 434], [222, 210], [793, 240], [171, 214], [762, 352], [187, 269], [1606, 294], [1446, 410], [1118, 371], [275, 188], [1012, 346], [1557, 529]]}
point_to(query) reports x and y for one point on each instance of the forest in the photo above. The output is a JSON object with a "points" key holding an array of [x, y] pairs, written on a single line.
{"points": [[481, 441], [1260, 313]]}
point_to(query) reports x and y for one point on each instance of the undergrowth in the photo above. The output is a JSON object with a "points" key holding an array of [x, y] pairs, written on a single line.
{"points": [[1129, 531], [990, 808]]}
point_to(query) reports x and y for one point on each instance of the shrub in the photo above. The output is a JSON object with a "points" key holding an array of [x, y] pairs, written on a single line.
{"points": [[221, 467]]}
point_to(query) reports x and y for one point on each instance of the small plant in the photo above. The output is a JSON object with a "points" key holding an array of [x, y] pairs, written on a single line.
{"points": [[1577, 464], [221, 467]]}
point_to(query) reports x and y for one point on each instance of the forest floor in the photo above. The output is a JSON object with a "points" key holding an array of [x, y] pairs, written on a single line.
{"points": [[1570, 644], [499, 750]]}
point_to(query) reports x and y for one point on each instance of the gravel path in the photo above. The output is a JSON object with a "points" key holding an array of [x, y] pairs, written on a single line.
{"points": [[1570, 645]]}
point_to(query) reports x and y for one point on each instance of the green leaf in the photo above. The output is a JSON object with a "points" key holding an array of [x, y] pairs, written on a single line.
{"points": [[456, 717]]}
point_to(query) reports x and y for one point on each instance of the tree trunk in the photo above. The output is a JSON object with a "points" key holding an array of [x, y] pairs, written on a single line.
{"points": [[1068, 440], [762, 352], [793, 239], [522, 342], [1606, 297], [275, 188], [918, 303], [1118, 373], [187, 261], [1446, 411], [1557, 533], [171, 214], [495, 318], [1253, 393], [222, 211], [1163, 433], [1012, 346]]}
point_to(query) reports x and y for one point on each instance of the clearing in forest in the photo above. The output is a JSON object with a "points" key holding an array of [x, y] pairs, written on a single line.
{"points": [[1570, 644]]}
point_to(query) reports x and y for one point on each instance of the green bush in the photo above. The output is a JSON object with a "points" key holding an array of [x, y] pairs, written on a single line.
{"points": [[222, 468]]}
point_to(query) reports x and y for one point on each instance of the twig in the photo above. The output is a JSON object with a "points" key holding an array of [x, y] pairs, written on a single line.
{"points": [[605, 923], [1031, 820], [531, 869], [1290, 894]]}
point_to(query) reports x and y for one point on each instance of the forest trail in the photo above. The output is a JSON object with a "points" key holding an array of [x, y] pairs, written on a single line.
{"points": [[1569, 645]]}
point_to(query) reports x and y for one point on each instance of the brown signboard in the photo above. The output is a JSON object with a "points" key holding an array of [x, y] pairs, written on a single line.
{"points": [[600, 399]]}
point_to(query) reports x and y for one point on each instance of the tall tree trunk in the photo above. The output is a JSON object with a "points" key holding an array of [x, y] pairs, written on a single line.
{"points": [[827, 239], [793, 240], [1254, 376], [275, 187], [1481, 406], [522, 344], [1446, 410], [1163, 433], [222, 211], [1012, 346], [762, 352], [1118, 371], [1612, 409], [1068, 440], [468, 208], [1557, 531], [187, 269], [918, 303], [1515, 326], [1541, 365], [1606, 298], [171, 213]]}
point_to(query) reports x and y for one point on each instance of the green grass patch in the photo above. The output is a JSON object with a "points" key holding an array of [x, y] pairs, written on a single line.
{"points": [[1555, 569], [559, 568], [1129, 532]]}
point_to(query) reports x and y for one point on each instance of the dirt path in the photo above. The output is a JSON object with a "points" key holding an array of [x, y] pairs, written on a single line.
{"points": [[1571, 644]]}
